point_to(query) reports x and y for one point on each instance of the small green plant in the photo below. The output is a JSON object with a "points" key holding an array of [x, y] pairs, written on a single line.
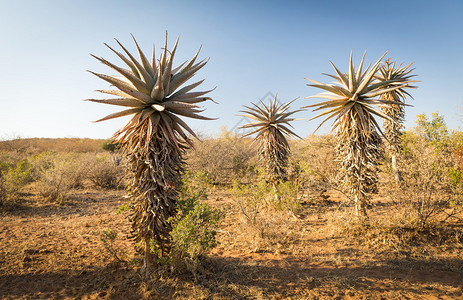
{"points": [[456, 176], [108, 238], [123, 207]]}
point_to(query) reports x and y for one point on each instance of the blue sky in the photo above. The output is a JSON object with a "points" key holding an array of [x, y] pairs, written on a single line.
{"points": [[255, 47]]}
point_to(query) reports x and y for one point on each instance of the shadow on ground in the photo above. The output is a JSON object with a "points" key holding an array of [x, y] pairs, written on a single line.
{"points": [[234, 278]]}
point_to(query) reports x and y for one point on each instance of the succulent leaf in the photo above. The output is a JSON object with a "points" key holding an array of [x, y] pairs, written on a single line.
{"points": [[270, 128], [351, 103], [149, 84]]}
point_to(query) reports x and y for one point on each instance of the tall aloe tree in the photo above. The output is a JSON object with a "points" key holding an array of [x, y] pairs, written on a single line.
{"points": [[352, 101], [155, 137], [401, 75], [272, 126]]}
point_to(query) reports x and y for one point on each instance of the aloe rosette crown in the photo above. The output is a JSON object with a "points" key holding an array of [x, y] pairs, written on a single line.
{"points": [[151, 91], [352, 101], [272, 125], [155, 137], [401, 75]]}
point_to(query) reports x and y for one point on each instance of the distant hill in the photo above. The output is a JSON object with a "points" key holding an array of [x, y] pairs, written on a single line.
{"points": [[38, 145]]}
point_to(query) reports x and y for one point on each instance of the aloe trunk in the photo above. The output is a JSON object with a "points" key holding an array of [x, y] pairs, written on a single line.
{"points": [[272, 124], [154, 139], [395, 110], [352, 101]]}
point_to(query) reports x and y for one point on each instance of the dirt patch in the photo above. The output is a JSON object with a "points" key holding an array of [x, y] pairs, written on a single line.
{"points": [[54, 251]]}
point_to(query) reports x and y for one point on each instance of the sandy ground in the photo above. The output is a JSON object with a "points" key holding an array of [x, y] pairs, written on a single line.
{"points": [[51, 251]]}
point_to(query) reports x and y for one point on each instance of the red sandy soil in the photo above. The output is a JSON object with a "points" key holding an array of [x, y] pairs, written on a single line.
{"points": [[51, 251]]}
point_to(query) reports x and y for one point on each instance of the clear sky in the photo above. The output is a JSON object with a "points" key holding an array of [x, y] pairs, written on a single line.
{"points": [[255, 48]]}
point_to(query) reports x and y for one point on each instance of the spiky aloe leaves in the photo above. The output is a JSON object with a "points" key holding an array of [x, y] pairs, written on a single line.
{"points": [[401, 74], [154, 139], [353, 96], [352, 102], [272, 125], [150, 91], [396, 112]]}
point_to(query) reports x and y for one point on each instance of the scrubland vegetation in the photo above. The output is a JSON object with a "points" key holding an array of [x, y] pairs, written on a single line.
{"points": [[64, 231]]}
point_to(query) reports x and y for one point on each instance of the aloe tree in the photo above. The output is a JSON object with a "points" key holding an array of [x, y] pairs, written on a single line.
{"points": [[155, 138], [272, 126], [352, 101], [401, 75]]}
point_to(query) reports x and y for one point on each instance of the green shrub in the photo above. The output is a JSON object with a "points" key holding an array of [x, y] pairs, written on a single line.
{"points": [[194, 228], [194, 231], [4, 167], [3, 191], [456, 176], [250, 200], [110, 145], [13, 179], [19, 176], [433, 131], [196, 183], [287, 199]]}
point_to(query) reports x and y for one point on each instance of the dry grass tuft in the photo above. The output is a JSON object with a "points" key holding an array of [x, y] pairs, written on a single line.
{"points": [[224, 159]]}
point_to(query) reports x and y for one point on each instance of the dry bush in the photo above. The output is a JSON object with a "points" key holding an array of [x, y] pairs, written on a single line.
{"points": [[312, 165], [315, 158], [257, 204], [39, 145], [56, 174], [104, 170], [399, 232], [429, 186], [223, 159], [427, 207], [456, 173], [251, 200], [12, 157], [396, 230]]}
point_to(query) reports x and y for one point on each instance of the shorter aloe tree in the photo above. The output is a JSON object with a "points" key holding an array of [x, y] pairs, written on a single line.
{"points": [[401, 75], [272, 125], [351, 101]]}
